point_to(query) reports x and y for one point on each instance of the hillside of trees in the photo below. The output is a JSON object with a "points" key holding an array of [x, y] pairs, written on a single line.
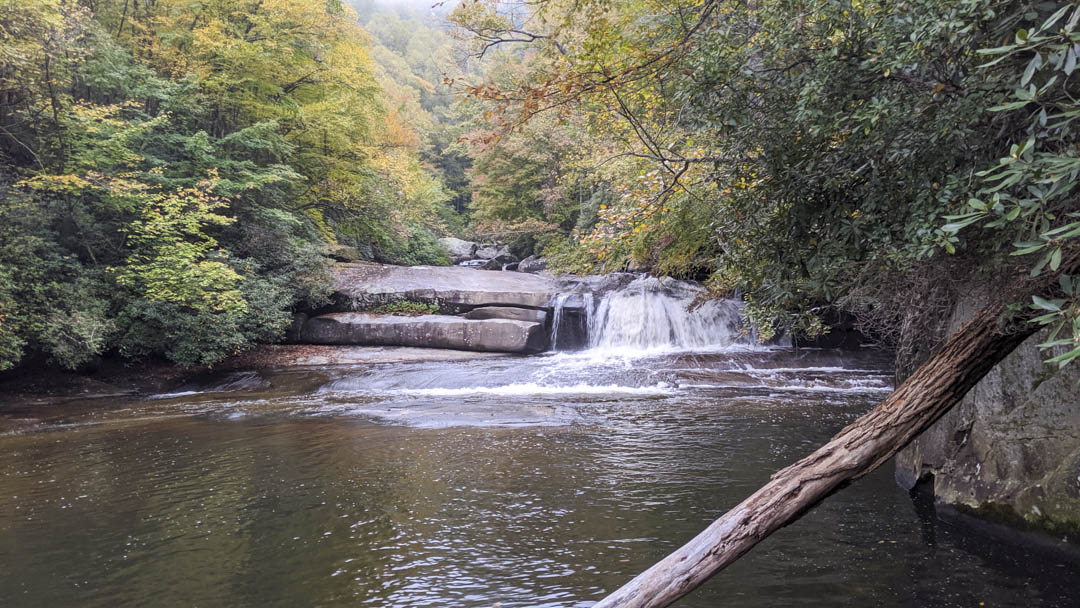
{"points": [[819, 158], [174, 174]]}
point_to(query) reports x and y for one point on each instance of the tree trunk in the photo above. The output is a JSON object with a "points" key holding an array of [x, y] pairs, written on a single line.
{"points": [[861, 447]]}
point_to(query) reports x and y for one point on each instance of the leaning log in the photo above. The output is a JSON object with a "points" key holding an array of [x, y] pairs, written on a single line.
{"points": [[858, 449]]}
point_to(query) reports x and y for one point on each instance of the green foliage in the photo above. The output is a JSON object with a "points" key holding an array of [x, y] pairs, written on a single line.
{"points": [[200, 337], [170, 254], [170, 177], [422, 248], [408, 308], [1030, 194], [815, 155]]}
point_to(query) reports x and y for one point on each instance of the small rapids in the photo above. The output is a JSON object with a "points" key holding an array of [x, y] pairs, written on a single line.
{"points": [[532, 388]]}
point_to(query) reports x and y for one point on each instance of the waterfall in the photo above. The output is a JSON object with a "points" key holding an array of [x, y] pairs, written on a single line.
{"points": [[652, 313], [570, 316], [557, 319]]}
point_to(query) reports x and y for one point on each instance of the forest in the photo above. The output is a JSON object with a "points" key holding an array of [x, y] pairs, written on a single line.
{"points": [[738, 255], [175, 174]]}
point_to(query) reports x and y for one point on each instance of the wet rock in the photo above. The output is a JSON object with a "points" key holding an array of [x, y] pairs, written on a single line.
{"points": [[281, 356], [1010, 451], [428, 331], [572, 330], [528, 315], [459, 249], [533, 264]]}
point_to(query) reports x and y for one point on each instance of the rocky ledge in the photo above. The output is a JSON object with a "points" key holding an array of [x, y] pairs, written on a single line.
{"points": [[453, 289], [429, 331], [476, 309]]}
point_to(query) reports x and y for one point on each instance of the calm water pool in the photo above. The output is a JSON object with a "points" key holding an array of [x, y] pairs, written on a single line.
{"points": [[540, 481]]}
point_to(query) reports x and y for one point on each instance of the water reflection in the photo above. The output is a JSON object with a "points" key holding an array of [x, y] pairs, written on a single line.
{"points": [[299, 488]]}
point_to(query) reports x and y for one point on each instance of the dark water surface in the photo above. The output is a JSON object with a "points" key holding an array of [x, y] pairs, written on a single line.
{"points": [[542, 481]]}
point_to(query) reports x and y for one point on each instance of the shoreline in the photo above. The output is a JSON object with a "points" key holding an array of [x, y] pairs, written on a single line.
{"points": [[129, 379]]}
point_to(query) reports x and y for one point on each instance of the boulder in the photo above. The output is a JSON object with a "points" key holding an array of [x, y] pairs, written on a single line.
{"points": [[494, 251], [428, 331], [529, 315], [1010, 451], [533, 264], [344, 253], [497, 256], [458, 249], [453, 288]]}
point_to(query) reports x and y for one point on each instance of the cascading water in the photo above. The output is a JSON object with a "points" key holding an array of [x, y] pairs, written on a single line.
{"points": [[570, 320], [651, 313], [557, 319]]}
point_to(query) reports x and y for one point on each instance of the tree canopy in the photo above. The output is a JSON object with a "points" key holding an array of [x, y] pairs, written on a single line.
{"points": [[818, 156], [173, 172]]}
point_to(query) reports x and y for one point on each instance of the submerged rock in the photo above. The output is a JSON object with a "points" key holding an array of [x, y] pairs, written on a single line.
{"points": [[428, 331]]}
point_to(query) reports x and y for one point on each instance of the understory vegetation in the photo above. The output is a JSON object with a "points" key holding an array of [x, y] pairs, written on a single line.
{"points": [[407, 308]]}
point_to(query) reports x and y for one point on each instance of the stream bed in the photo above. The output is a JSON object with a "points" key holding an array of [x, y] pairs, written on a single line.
{"points": [[518, 481]]}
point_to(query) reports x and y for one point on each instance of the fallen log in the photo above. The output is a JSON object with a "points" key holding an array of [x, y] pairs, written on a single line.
{"points": [[858, 449]]}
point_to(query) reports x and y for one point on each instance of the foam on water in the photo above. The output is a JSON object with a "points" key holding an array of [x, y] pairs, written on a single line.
{"points": [[532, 388]]}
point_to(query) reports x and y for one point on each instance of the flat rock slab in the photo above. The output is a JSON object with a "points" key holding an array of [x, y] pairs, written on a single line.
{"points": [[529, 315], [456, 285], [426, 331], [283, 356]]}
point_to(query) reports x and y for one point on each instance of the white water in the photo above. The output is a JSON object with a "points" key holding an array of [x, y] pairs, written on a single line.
{"points": [[653, 314], [557, 318], [634, 331], [532, 388]]}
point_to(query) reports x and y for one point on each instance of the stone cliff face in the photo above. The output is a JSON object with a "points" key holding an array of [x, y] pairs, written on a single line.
{"points": [[1010, 451]]}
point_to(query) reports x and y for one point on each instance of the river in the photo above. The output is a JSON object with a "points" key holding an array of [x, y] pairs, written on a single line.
{"points": [[519, 481]]}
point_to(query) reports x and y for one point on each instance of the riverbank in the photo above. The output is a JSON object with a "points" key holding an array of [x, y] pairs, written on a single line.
{"points": [[121, 378]]}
